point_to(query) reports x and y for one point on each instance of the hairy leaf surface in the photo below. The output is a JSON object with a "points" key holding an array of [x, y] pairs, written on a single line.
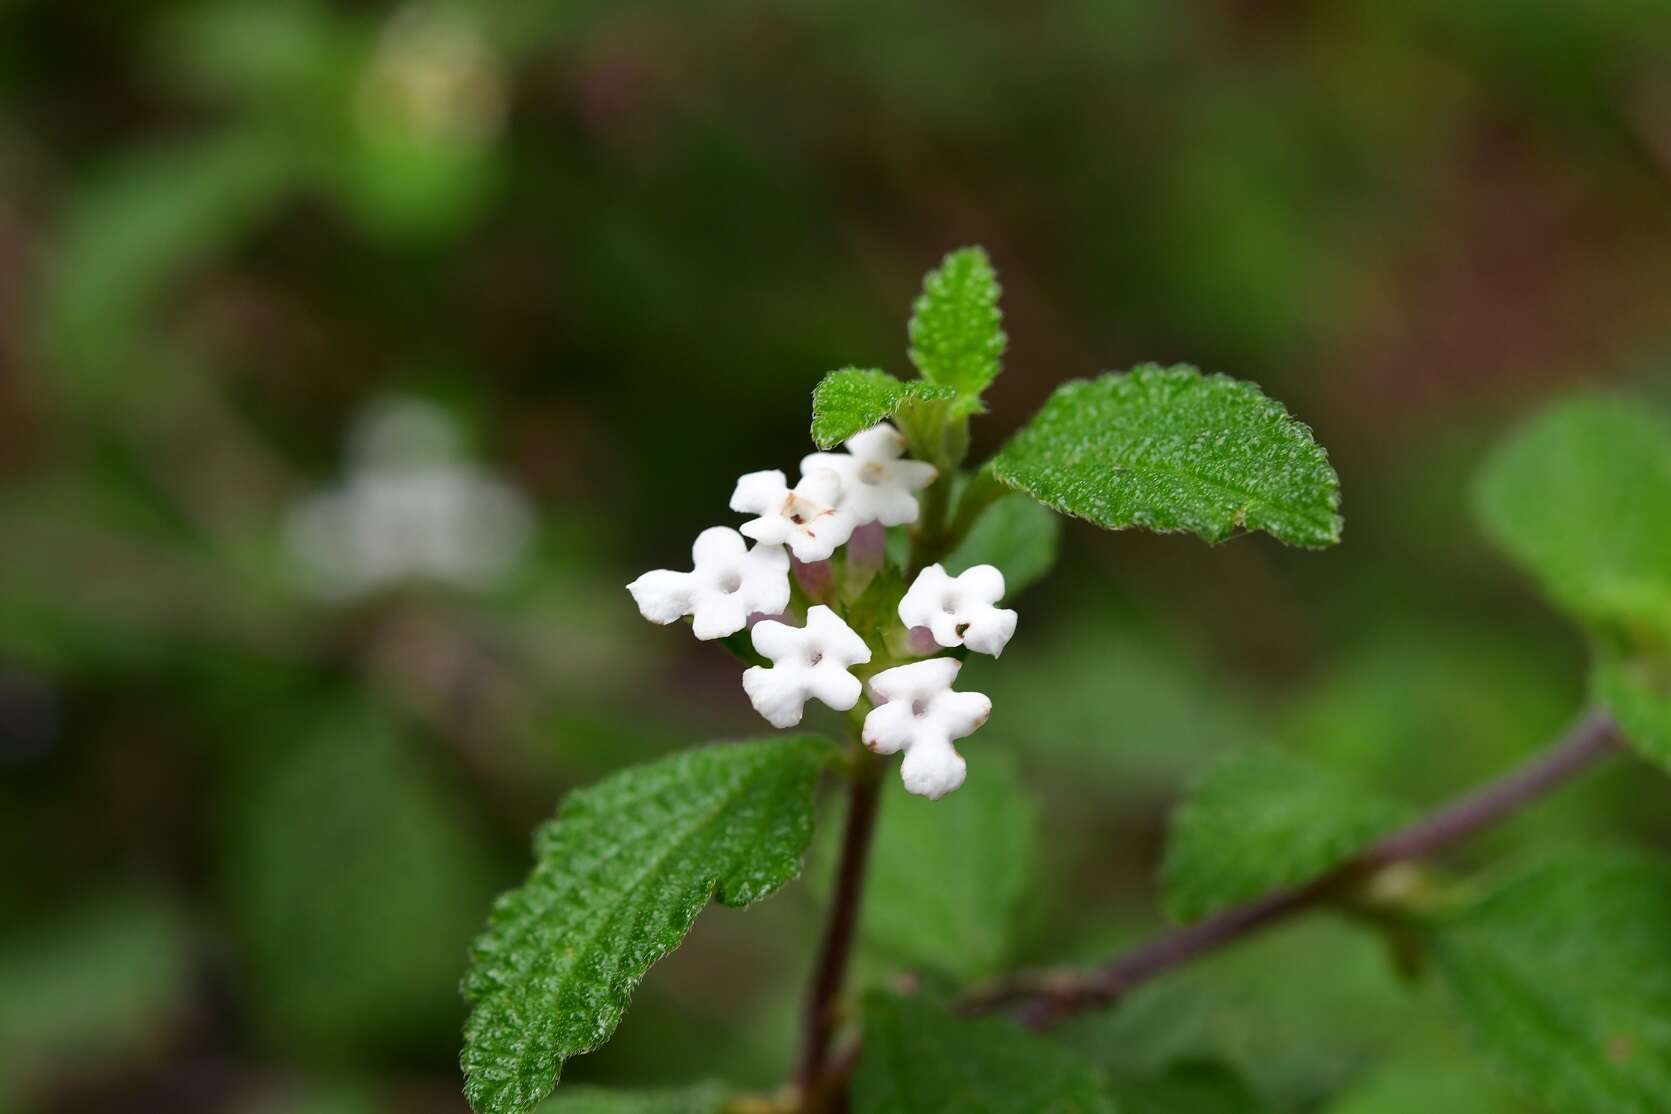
{"points": [[1262, 819], [957, 339], [918, 1060], [853, 399], [1170, 449], [619, 877], [1564, 972]]}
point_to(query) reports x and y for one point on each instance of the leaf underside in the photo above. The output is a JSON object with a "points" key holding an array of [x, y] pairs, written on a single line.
{"points": [[619, 877], [1170, 449]]}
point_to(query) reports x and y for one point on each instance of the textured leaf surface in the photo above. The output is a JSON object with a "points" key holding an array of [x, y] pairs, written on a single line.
{"points": [[1018, 535], [703, 1098], [1262, 819], [619, 877], [1171, 449], [1580, 497], [918, 1060], [1564, 971], [957, 339], [947, 877], [853, 399]]}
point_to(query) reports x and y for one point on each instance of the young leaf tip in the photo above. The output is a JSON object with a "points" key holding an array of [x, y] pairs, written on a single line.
{"points": [[956, 333]]}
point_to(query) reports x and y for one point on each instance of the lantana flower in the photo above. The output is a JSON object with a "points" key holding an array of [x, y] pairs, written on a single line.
{"points": [[877, 484], [807, 517], [918, 712], [728, 583], [809, 662], [960, 610]]}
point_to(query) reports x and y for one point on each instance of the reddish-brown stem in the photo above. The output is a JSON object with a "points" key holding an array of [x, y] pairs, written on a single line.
{"points": [[820, 1019], [1043, 1000]]}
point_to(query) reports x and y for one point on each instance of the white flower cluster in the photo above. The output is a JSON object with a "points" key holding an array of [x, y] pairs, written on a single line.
{"points": [[411, 508], [732, 585]]}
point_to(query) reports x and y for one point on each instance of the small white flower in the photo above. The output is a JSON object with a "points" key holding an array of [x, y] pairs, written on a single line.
{"points": [[811, 662], [728, 583], [960, 610], [918, 712], [806, 517], [877, 485]]}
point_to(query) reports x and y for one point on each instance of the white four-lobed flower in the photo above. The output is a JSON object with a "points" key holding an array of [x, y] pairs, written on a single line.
{"points": [[918, 712], [877, 484], [807, 518], [808, 663], [960, 610], [727, 583]]}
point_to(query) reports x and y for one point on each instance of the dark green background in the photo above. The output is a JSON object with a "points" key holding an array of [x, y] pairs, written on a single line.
{"points": [[244, 837]]}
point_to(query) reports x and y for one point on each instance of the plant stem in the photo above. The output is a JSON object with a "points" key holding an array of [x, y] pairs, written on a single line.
{"points": [[819, 1019], [1041, 1001]]}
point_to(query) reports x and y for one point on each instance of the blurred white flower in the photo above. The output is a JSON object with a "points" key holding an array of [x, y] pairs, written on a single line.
{"points": [[808, 663], [960, 610], [433, 76], [918, 712], [728, 583], [409, 508], [806, 517], [877, 485]]}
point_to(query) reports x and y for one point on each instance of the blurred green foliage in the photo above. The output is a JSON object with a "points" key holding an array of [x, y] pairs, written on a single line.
{"points": [[246, 832]]}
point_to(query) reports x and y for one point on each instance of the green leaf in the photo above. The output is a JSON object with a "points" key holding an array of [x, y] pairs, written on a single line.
{"points": [[619, 878], [90, 986], [1016, 534], [918, 1060], [702, 1098], [345, 818], [956, 337], [137, 228], [1171, 449], [1263, 819], [1637, 690], [1192, 1087], [1579, 498], [853, 399], [1564, 972], [1298, 1013], [948, 877]]}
